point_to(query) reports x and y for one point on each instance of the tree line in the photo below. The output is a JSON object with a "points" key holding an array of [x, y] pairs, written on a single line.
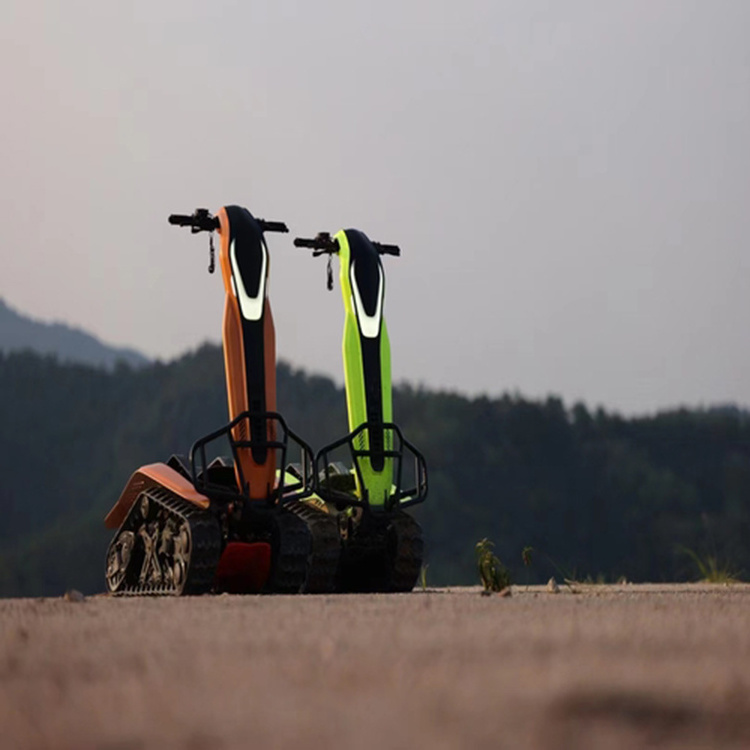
{"points": [[594, 494]]}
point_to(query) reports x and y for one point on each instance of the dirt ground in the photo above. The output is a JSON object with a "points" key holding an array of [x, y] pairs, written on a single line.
{"points": [[605, 666]]}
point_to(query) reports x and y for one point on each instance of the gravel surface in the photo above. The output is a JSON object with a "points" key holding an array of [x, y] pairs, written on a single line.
{"points": [[601, 666]]}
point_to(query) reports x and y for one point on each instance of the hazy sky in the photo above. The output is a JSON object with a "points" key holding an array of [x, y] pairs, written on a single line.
{"points": [[569, 181]]}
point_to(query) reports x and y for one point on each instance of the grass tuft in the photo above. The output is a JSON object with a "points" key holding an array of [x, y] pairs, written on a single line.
{"points": [[712, 570], [492, 573], [423, 576]]}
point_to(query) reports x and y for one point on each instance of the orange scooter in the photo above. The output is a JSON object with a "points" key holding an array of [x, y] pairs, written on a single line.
{"points": [[241, 523]]}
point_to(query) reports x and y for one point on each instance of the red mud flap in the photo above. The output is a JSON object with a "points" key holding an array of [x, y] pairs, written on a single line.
{"points": [[243, 568]]}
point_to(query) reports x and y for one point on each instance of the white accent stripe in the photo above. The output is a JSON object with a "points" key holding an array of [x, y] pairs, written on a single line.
{"points": [[250, 307], [369, 325]]}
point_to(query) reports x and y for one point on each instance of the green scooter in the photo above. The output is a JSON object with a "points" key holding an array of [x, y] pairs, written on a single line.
{"points": [[382, 545]]}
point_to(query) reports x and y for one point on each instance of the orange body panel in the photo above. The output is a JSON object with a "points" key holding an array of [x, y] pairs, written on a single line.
{"points": [[261, 477], [150, 476]]}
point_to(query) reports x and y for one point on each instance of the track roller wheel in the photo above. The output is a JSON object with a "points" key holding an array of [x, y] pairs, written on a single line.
{"points": [[165, 546]]}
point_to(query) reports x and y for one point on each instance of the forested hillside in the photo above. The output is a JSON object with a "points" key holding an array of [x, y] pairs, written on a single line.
{"points": [[593, 493]]}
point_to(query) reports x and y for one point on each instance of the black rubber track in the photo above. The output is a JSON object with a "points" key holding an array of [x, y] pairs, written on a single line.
{"points": [[405, 552], [205, 545], [291, 543], [325, 549], [382, 556]]}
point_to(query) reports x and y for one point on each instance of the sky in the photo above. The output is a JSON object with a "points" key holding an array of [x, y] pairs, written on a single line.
{"points": [[568, 181]]}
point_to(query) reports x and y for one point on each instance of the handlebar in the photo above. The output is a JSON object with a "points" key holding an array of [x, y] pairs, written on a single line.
{"points": [[324, 243], [200, 221], [203, 221]]}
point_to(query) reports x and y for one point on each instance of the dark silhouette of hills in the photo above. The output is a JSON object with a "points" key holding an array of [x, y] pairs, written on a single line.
{"points": [[19, 332]]}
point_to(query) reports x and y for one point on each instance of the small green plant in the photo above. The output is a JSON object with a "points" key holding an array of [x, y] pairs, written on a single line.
{"points": [[492, 573], [423, 576], [712, 570]]}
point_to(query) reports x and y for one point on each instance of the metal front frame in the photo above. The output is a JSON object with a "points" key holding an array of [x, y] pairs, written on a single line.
{"points": [[415, 495], [282, 493]]}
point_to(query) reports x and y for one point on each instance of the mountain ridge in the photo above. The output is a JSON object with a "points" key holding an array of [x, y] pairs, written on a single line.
{"points": [[19, 332]]}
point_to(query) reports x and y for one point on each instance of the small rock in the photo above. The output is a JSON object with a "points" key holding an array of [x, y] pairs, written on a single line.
{"points": [[73, 595], [505, 592], [552, 586]]}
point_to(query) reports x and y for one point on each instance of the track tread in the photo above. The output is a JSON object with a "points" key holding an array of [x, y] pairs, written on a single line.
{"points": [[325, 550], [205, 549], [408, 553], [290, 550], [383, 556]]}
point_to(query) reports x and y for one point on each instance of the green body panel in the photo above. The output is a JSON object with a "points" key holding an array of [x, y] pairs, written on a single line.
{"points": [[378, 484]]}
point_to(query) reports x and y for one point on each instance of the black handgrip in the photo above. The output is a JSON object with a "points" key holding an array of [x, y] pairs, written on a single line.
{"points": [[387, 249], [273, 226], [323, 243], [200, 221], [302, 242], [180, 220]]}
